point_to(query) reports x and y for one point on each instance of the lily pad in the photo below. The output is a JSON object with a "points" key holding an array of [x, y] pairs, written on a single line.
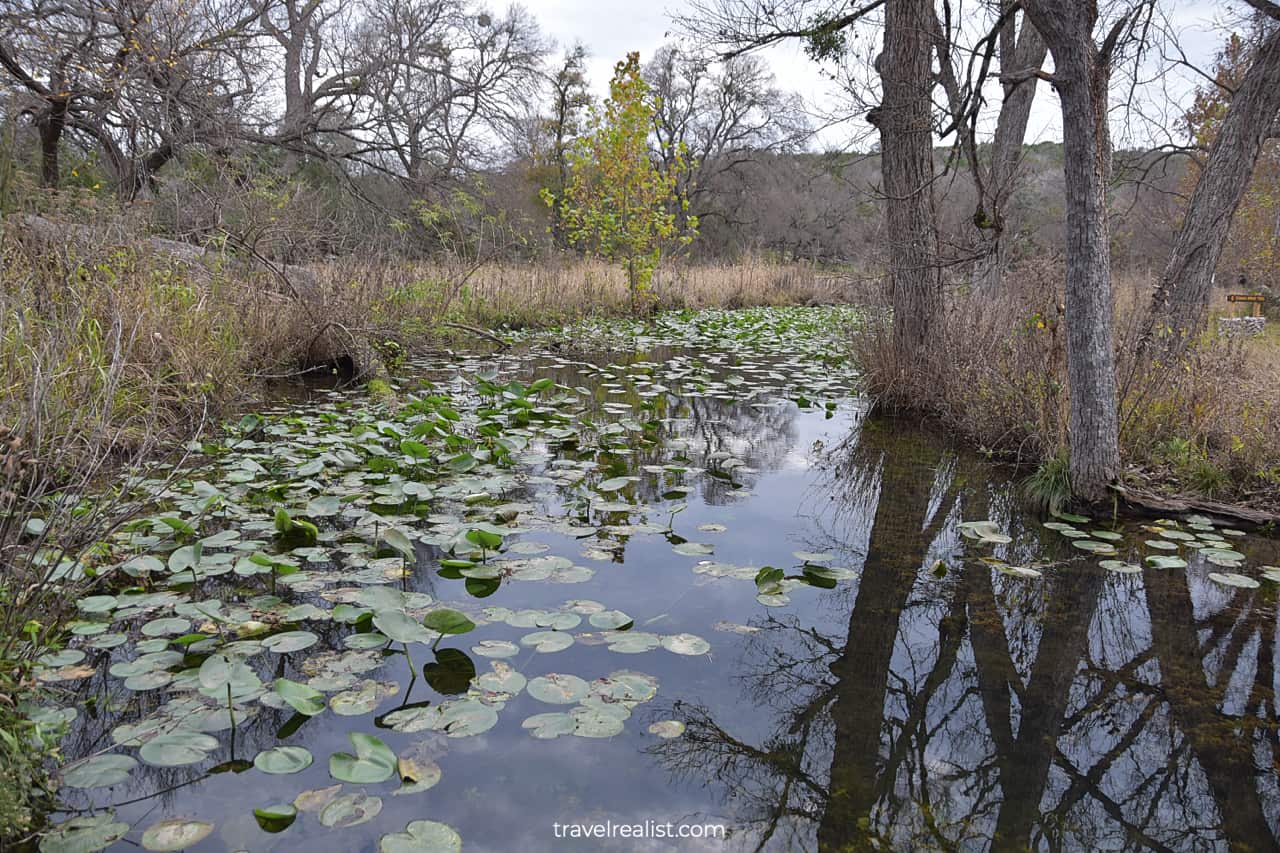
{"points": [[372, 762], [350, 810], [84, 834], [283, 760], [175, 834], [101, 771], [422, 836], [686, 644], [178, 748], [667, 728], [300, 697], [1234, 579], [547, 641], [557, 688]]}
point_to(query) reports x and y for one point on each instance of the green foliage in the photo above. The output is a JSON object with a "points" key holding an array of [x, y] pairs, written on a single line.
{"points": [[1050, 486], [618, 204]]}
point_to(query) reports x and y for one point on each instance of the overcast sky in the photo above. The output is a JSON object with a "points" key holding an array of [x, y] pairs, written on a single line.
{"points": [[611, 28]]}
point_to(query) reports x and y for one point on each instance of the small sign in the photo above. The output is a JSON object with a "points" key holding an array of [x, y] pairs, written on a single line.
{"points": [[1246, 297]]}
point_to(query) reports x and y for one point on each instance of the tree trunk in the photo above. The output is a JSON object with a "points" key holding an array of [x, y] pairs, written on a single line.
{"points": [[1180, 303], [51, 127], [1024, 53], [1021, 50], [1081, 77], [906, 146]]}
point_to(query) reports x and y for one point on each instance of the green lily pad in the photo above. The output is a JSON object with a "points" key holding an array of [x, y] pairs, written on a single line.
{"points": [[547, 641], [178, 748], [372, 762], [1234, 579], [557, 688], [276, 817], [1094, 547], [289, 641], [101, 771], [549, 726], [446, 621], [495, 649], [300, 697], [422, 836], [84, 834], [610, 619], [686, 644], [283, 760]]}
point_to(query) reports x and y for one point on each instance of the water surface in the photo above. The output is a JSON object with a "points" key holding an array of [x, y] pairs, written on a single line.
{"points": [[907, 691]]}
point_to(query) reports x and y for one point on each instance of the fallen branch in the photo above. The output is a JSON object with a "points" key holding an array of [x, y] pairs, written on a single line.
{"points": [[489, 336], [1161, 504]]}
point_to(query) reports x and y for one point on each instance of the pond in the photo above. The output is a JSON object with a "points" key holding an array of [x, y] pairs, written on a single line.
{"points": [[656, 587]]}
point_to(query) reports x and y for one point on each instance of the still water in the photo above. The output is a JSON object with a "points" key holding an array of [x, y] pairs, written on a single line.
{"points": [[899, 688]]}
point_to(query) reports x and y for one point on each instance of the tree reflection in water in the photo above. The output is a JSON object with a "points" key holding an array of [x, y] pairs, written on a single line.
{"points": [[1085, 710]]}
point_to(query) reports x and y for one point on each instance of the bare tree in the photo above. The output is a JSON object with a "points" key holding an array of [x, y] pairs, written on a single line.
{"points": [[136, 80], [1181, 299], [725, 115], [457, 81]]}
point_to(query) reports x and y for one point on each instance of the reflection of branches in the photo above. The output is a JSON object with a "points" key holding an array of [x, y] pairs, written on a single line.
{"points": [[982, 710]]}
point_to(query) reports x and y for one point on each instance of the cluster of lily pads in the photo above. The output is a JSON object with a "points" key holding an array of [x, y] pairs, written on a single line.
{"points": [[278, 580], [1166, 544]]}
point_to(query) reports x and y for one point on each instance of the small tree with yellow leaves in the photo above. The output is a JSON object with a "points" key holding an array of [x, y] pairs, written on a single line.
{"points": [[618, 204]]}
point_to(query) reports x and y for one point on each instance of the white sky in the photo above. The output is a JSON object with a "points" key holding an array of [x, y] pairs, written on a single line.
{"points": [[611, 28]]}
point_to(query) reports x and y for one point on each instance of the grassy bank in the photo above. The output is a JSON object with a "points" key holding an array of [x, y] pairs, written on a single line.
{"points": [[1205, 424]]}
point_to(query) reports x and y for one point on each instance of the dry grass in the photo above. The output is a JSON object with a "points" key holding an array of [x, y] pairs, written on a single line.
{"points": [[188, 339], [1207, 423]]}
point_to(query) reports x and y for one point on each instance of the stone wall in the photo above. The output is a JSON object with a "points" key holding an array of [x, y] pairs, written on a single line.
{"points": [[1241, 327]]}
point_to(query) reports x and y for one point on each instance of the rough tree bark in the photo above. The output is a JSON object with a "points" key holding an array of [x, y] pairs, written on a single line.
{"points": [[1081, 72], [906, 145], [1180, 303]]}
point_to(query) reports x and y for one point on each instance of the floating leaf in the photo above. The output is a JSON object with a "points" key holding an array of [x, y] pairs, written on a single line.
{"points": [[667, 728], [1233, 579], [289, 641], [422, 836], [547, 641], [350, 810], [686, 644], [549, 726], [276, 818], [363, 699], [84, 834], [418, 772], [373, 761], [557, 689], [446, 621], [1094, 547], [300, 697], [178, 748], [100, 771], [610, 619], [1121, 567], [175, 834], [495, 649], [283, 760]]}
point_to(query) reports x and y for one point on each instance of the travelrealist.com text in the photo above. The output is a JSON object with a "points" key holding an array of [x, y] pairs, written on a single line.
{"points": [[644, 829]]}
